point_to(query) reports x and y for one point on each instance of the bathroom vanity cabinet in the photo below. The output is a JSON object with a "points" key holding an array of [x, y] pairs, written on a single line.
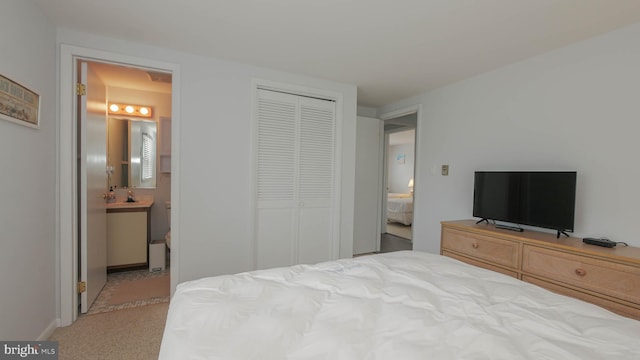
{"points": [[128, 235]]}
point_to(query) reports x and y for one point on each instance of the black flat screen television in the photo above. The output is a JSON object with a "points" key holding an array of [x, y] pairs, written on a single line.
{"points": [[543, 199]]}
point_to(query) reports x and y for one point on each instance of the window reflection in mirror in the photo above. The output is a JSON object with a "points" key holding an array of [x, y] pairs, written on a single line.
{"points": [[131, 153]]}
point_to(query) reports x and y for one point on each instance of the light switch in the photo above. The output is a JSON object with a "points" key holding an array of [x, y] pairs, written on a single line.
{"points": [[445, 170]]}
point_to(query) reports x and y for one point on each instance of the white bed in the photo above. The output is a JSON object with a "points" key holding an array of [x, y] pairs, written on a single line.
{"points": [[400, 208], [402, 305]]}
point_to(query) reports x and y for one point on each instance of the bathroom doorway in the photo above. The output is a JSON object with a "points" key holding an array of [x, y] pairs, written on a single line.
{"points": [[136, 180], [68, 234]]}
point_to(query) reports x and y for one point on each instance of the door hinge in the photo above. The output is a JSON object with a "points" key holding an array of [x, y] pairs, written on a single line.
{"points": [[81, 89], [82, 287]]}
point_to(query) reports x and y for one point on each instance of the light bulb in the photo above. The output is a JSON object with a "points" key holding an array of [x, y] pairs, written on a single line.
{"points": [[129, 109], [114, 107]]}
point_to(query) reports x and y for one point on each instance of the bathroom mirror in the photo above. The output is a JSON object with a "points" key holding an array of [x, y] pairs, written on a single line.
{"points": [[131, 153]]}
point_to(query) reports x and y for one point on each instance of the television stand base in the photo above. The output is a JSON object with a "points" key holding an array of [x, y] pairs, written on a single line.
{"points": [[560, 232], [509, 227]]}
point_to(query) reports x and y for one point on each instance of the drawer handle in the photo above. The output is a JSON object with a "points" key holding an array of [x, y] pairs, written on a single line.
{"points": [[581, 272], [475, 245]]}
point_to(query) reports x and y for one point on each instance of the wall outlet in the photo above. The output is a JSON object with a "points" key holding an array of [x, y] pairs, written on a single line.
{"points": [[445, 170]]}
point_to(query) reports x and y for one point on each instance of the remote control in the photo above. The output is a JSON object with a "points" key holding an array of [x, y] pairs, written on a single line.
{"points": [[599, 242]]}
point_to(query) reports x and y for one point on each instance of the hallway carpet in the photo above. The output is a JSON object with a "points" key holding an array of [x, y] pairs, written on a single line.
{"points": [[143, 289], [124, 334], [389, 243]]}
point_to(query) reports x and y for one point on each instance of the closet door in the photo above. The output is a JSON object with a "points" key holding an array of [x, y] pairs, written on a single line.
{"points": [[276, 162], [315, 183], [295, 175]]}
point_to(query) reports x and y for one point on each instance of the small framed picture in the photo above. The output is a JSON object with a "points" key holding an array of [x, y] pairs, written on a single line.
{"points": [[19, 104], [400, 158]]}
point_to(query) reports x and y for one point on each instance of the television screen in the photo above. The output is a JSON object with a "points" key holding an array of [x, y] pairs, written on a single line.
{"points": [[541, 198]]}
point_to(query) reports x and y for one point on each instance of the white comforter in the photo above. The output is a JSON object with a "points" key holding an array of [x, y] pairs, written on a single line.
{"points": [[403, 305]]}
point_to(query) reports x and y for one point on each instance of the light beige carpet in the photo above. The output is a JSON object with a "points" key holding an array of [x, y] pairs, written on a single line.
{"points": [[134, 290], [134, 333]]}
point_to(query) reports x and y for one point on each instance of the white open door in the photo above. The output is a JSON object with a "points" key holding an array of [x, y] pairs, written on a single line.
{"points": [[93, 185], [366, 233]]}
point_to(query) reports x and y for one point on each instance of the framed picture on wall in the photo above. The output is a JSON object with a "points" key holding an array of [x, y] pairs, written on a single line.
{"points": [[400, 158], [19, 104]]}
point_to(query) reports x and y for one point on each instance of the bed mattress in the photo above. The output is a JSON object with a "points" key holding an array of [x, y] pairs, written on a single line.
{"points": [[402, 305]]}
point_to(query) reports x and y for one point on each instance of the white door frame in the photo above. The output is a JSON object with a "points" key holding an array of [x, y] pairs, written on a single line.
{"points": [[417, 109], [67, 168]]}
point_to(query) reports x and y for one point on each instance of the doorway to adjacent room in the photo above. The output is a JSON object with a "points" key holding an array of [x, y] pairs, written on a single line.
{"points": [[71, 253], [399, 178]]}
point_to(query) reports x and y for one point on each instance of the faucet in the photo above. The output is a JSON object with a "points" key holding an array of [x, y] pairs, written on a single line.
{"points": [[110, 196]]}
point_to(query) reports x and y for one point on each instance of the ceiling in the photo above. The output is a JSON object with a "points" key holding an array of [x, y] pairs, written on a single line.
{"points": [[390, 49], [132, 78]]}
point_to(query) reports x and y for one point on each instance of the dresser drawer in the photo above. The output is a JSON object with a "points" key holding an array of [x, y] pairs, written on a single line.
{"points": [[600, 276], [481, 264], [616, 307], [494, 250]]}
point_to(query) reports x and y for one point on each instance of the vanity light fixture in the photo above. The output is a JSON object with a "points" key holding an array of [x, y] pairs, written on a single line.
{"points": [[132, 110]]}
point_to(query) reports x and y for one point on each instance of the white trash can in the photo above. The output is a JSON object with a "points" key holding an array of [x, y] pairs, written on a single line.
{"points": [[157, 255]]}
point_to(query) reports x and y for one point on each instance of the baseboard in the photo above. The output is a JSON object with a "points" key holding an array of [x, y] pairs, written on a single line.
{"points": [[49, 330]]}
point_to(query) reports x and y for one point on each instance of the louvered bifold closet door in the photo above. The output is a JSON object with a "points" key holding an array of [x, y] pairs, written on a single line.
{"points": [[295, 175], [316, 176], [276, 161]]}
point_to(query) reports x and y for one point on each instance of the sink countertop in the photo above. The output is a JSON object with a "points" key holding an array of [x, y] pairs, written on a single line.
{"points": [[130, 205]]}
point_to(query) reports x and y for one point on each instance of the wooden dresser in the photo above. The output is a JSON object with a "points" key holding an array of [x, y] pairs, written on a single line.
{"points": [[608, 277]]}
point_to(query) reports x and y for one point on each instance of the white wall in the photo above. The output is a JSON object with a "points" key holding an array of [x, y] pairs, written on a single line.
{"points": [[28, 180], [215, 154], [400, 174], [575, 108], [366, 111]]}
